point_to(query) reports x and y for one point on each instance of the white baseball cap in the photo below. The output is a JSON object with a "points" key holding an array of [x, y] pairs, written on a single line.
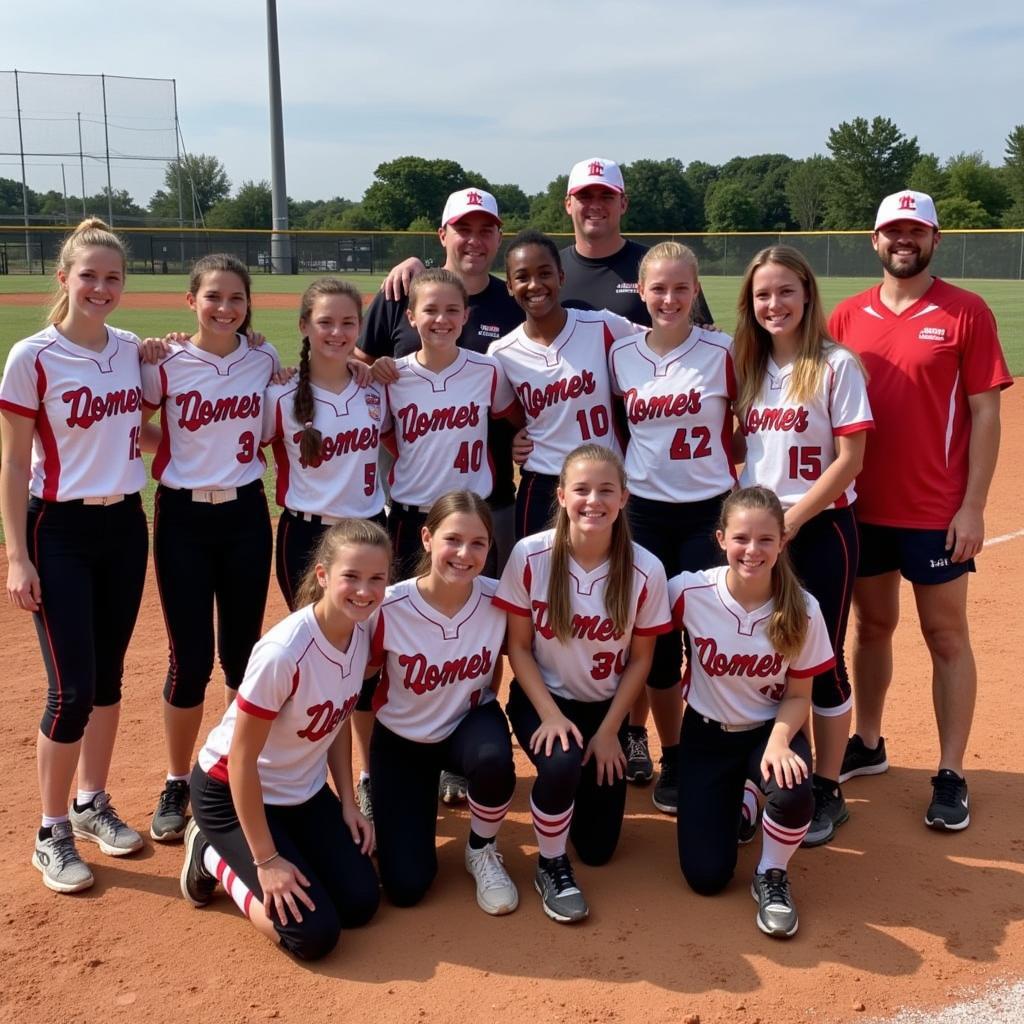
{"points": [[907, 205], [469, 200], [595, 171]]}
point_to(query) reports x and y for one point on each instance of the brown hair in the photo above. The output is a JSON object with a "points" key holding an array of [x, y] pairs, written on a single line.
{"points": [[752, 344], [435, 275], [303, 406], [223, 261], [451, 504], [92, 231], [348, 531], [787, 625], [618, 590], [669, 251]]}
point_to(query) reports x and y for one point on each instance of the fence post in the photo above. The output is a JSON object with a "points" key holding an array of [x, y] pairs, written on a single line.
{"points": [[1020, 261], [828, 254], [963, 255]]}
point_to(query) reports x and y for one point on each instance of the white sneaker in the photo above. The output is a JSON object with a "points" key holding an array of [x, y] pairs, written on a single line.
{"points": [[496, 893]]}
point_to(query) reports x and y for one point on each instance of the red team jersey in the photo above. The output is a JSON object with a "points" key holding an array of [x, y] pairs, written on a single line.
{"points": [[563, 387], [922, 365], [298, 680], [440, 426], [589, 666], [435, 668], [343, 480], [790, 444], [87, 408], [679, 408], [734, 675]]}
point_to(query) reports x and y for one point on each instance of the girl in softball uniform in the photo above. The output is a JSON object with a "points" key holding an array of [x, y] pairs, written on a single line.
{"points": [[440, 641], [70, 411], [804, 414], [557, 365], [293, 856], [677, 385], [756, 640], [211, 531], [585, 604], [440, 406]]}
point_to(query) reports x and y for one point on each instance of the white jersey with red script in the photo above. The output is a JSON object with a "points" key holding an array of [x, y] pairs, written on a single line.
{"points": [[789, 443], [87, 408], [923, 365], [301, 683], [435, 668], [679, 408], [342, 481], [563, 387], [734, 675], [211, 414], [588, 667], [440, 426]]}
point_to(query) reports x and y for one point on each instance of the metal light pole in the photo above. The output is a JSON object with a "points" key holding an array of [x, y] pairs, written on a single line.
{"points": [[280, 244]]}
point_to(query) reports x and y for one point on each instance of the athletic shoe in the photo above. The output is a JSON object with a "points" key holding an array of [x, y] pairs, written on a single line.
{"points": [[776, 914], [57, 858], [829, 813], [666, 789], [950, 809], [100, 824], [862, 760], [639, 766], [452, 788], [169, 819], [748, 828], [496, 893], [560, 896], [364, 800], [197, 884]]}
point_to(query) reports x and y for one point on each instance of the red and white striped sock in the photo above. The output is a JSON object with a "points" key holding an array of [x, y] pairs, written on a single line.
{"points": [[750, 792], [779, 844], [485, 821], [552, 830], [233, 885]]}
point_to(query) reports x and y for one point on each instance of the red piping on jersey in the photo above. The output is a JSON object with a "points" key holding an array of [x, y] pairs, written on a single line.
{"points": [[662, 627], [284, 466], [219, 771], [803, 673], [255, 710], [163, 451], [51, 456], [853, 428], [513, 608], [21, 410]]}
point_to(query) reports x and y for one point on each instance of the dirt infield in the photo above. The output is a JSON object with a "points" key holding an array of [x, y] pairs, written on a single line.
{"points": [[892, 915]]}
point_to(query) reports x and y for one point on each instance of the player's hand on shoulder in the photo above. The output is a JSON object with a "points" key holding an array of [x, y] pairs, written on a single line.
{"points": [[152, 350], [255, 339], [23, 590], [966, 534], [283, 375], [610, 760], [522, 446], [384, 370], [555, 727], [362, 372], [396, 284], [779, 760], [284, 887]]}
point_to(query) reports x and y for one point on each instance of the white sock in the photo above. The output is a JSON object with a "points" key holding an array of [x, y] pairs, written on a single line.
{"points": [[552, 830], [86, 796], [233, 885], [187, 777], [750, 800], [779, 844], [49, 822], [485, 821], [363, 775]]}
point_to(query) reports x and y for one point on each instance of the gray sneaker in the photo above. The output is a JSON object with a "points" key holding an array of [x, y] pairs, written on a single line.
{"points": [[559, 894], [100, 824], [452, 788], [169, 818], [364, 800], [57, 858], [776, 913]]}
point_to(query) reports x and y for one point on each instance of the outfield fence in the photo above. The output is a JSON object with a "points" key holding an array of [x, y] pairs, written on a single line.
{"points": [[995, 254]]}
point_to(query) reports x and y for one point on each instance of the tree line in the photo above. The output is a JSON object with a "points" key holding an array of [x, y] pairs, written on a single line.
{"points": [[767, 192]]}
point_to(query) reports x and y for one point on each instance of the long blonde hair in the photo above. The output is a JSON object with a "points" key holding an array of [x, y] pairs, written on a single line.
{"points": [[752, 344], [787, 625], [618, 590], [348, 531], [91, 232]]}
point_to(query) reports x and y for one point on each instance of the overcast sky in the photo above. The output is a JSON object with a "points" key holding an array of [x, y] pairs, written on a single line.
{"points": [[517, 91]]}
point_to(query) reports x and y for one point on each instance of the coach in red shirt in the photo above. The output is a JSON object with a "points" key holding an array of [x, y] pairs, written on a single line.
{"points": [[935, 372]]}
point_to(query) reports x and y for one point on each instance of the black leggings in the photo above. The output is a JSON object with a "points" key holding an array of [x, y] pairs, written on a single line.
{"points": [[825, 553], [204, 553], [315, 838], [535, 502], [562, 778], [403, 782], [91, 561], [682, 538], [713, 767]]}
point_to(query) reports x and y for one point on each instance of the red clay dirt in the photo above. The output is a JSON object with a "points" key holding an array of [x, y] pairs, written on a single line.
{"points": [[892, 915]]}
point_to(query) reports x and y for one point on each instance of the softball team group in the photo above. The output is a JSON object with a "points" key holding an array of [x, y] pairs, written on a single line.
{"points": [[630, 550]]}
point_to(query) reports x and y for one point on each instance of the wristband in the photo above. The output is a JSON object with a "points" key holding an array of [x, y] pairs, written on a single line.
{"points": [[262, 863]]}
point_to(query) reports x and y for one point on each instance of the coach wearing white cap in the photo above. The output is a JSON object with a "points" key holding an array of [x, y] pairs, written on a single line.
{"points": [[935, 371]]}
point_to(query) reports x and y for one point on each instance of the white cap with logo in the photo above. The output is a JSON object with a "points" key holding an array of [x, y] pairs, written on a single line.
{"points": [[469, 200], [595, 171], [907, 205]]}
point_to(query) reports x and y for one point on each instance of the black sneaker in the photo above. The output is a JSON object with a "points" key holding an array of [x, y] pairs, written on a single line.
{"points": [[452, 788], [950, 809], [748, 828], [560, 896], [666, 789], [829, 813], [776, 913], [639, 766], [197, 884], [862, 760], [169, 818]]}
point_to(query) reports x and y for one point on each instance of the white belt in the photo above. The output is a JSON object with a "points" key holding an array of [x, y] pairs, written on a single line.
{"points": [[725, 727], [110, 499], [215, 496], [312, 517]]}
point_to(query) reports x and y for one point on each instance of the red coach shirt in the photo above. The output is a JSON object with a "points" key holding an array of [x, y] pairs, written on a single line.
{"points": [[922, 365]]}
